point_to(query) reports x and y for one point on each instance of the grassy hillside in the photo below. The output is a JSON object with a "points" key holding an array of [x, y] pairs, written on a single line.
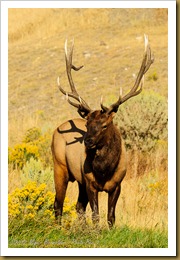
{"points": [[110, 45], [108, 42]]}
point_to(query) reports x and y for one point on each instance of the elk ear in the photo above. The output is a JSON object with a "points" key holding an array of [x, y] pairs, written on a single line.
{"points": [[113, 114]]}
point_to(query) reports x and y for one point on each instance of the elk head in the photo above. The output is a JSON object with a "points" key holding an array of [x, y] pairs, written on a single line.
{"points": [[99, 121]]}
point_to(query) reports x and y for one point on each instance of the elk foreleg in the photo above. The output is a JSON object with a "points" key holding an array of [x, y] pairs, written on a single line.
{"points": [[93, 200], [82, 201], [112, 200]]}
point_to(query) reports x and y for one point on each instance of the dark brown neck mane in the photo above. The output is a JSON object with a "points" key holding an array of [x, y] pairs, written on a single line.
{"points": [[105, 158]]}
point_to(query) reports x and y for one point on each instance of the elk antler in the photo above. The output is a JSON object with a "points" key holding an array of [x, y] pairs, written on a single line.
{"points": [[83, 108], [148, 59]]}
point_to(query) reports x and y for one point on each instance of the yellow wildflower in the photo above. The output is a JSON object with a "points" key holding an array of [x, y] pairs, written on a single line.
{"points": [[30, 207], [30, 216]]}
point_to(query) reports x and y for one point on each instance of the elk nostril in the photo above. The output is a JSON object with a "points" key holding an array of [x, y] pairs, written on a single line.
{"points": [[88, 141]]}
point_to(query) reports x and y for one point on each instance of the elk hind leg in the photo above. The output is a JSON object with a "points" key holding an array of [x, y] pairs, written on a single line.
{"points": [[61, 182]]}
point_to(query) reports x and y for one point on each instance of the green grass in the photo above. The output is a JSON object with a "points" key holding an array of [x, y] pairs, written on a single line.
{"points": [[47, 234]]}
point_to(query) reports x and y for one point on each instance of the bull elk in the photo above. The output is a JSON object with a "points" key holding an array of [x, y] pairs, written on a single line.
{"points": [[91, 150]]}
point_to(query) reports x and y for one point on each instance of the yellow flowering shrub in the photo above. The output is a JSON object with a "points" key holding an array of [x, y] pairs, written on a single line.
{"points": [[34, 145], [69, 208], [69, 213], [29, 201], [21, 153], [35, 137], [33, 201]]}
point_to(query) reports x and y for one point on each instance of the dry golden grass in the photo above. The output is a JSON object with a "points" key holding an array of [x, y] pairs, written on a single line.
{"points": [[109, 42], [142, 203]]}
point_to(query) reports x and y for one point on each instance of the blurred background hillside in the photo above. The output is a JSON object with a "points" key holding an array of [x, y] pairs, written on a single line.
{"points": [[108, 42]]}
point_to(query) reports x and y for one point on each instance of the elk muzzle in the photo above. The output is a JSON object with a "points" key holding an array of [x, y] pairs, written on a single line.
{"points": [[89, 142]]}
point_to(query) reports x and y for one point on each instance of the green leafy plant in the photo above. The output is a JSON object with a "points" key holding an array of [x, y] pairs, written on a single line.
{"points": [[34, 170], [153, 76], [143, 121], [143, 124], [32, 135], [44, 146]]}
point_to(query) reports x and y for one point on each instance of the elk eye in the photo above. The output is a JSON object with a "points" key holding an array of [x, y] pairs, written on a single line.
{"points": [[105, 126]]}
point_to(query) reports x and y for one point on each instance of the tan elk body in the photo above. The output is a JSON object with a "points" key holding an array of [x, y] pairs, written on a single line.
{"points": [[91, 150]]}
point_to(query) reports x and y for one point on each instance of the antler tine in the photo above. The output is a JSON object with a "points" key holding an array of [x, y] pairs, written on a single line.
{"points": [[114, 106], [68, 94], [70, 66], [82, 106], [148, 59], [68, 59], [104, 108], [146, 63]]}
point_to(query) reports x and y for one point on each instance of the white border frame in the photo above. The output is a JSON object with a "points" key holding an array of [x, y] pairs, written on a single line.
{"points": [[171, 250]]}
